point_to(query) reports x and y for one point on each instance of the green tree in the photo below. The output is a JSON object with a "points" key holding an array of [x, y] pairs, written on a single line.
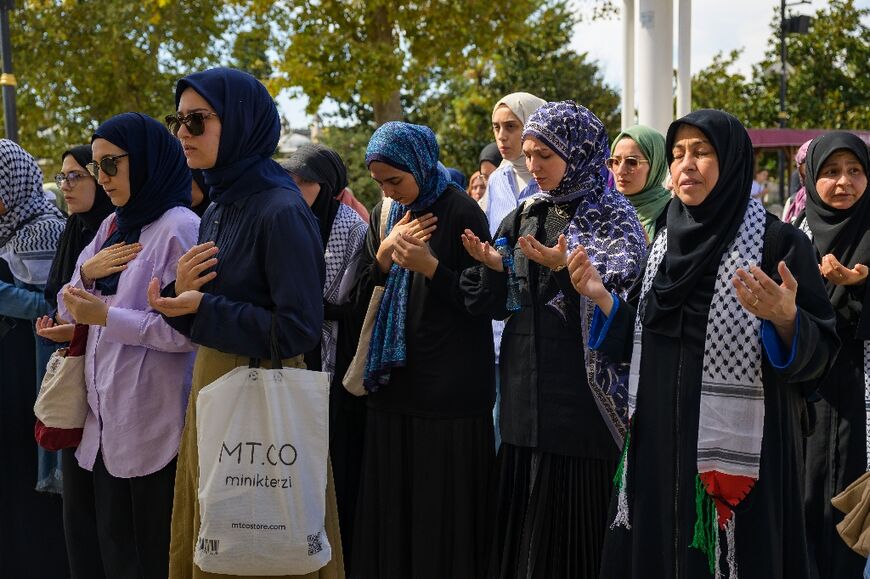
{"points": [[828, 84], [541, 62], [366, 53], [78, 63]]}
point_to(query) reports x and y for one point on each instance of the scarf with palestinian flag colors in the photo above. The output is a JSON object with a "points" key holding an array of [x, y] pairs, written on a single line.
{"points": [[731, 420]]}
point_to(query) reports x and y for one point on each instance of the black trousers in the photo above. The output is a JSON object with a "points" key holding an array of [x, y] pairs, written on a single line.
{"points": [[80, 519], [133, 519]]}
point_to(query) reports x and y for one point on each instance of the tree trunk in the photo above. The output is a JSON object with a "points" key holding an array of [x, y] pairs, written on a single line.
{"points": [[379, 29], [389, 110]]}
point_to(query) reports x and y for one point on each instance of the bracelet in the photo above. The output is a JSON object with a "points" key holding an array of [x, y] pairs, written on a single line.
{"points": [[560, 267]]}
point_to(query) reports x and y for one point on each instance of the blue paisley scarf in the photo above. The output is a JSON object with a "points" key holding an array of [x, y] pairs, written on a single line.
{"points": [[605, 224], [413, 149]]}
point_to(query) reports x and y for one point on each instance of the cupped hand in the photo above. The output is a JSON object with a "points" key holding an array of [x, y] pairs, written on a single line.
{"points": [[85, 307], [48, 329], [552, 257], [184, 303], [838, 274], [587, 281], [482, 251], [764, 298]]}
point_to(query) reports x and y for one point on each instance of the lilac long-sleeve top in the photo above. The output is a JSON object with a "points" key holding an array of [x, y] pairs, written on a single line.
{"points": [[137, 368]]}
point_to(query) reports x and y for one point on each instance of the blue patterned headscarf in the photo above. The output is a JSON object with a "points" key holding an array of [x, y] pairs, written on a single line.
{"points": [[605, 224], [412, 149], [579, 137]]}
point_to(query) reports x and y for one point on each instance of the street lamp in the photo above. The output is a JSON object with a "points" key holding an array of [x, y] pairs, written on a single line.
{"points": [[791, 25], [7, 79]]}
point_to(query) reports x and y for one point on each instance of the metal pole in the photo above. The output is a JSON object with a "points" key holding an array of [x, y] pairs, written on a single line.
{"points": [[782, 87], [684, 58], [628, 64], [7, 79]]}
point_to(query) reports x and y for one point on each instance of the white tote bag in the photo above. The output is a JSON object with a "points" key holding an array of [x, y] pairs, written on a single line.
{"points": [[263, 444]]}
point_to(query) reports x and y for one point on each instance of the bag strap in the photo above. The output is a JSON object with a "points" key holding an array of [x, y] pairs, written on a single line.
{"points": [[273, 348], [386, 206]]}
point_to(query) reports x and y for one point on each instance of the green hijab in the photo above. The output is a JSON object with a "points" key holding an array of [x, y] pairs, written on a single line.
{"points": [[653, 198]]}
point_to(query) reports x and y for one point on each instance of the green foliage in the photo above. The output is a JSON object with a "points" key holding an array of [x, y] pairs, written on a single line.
{"points": [[827, 85], [78, 63], [541, 62], [364, 53]]}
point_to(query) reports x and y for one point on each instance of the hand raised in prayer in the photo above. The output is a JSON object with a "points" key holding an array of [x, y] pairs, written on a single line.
{"points": [[48, 329], [413, 254], [85, 308], [482, 251], [108, 261], [191, 265], [838, 274], [420, 228], [764, 298], [184, 303], [587, 281], [555, 258]]}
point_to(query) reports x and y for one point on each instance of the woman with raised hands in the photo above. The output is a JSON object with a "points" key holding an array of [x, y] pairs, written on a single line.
{"points": [[725, 333], [88, 206], [563, 407], [837, 219], [428, 438], [259, 258], [137, 368]]}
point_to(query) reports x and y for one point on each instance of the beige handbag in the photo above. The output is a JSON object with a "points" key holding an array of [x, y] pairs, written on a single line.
{"points": [[353, 378], [855, 503]]}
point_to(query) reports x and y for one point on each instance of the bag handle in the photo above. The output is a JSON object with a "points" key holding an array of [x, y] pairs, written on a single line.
{"points": [[273, 348]]}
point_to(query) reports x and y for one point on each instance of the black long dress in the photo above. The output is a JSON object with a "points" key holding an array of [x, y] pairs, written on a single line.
{"points": [[662, 457], [31, 523], [548, 503], [836, 452], [428, 435]]}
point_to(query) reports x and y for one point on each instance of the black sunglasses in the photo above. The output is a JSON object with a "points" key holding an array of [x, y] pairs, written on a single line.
{"points": [[195, 122], [108, 165]]}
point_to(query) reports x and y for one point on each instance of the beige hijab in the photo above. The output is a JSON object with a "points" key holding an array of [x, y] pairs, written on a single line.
{"points": [[521, 104]]}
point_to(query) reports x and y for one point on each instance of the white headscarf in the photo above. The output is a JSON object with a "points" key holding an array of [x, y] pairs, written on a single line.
{"points": [[521, 104]]}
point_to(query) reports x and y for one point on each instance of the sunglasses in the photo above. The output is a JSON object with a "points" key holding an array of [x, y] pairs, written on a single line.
{"points": [[108, 165], [71, 178], [195, 122], [630, 162]]}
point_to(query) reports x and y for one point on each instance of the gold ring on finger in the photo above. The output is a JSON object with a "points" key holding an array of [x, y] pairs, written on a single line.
{"points": [[755, 303]]}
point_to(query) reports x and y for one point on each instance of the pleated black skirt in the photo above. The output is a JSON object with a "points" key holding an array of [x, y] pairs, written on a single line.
{"points": [[548, 515], [422, 501]]}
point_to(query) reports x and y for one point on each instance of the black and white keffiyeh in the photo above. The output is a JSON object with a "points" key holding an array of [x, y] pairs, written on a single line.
{"points": [[731, 422], [31, 225], [343, 249]]}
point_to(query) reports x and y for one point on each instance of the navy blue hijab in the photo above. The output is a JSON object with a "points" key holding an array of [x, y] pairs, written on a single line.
{"points": [[250, 129], [159, 178]]}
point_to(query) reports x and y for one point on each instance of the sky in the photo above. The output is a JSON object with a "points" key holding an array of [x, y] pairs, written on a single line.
{"points": [[717, 26]]}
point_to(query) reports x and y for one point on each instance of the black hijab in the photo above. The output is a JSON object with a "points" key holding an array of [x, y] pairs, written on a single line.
{"points": [[250, 128], [699, 235], [159, 178], [490, 153], [845, 233], [319, 164], [79, 231]]}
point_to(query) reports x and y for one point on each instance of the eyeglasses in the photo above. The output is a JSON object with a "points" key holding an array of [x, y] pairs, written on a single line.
{"points": [[195, 122], [71, 178], [108, 165], [631, 163]]}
